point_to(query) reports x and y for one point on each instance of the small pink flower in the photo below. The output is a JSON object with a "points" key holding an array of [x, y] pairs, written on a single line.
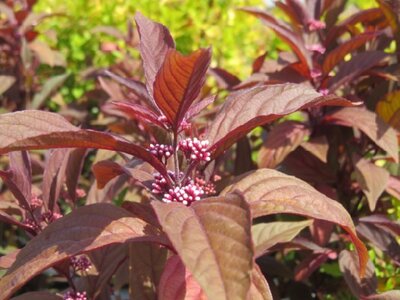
{"points": [[185, 195], [81, 263], [71, 295], [195, 149], [316, 48], [162, 152], [207, 187], [314, 25]]}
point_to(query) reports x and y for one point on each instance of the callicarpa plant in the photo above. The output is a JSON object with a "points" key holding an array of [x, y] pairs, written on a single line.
{"points": [[192, 235]]}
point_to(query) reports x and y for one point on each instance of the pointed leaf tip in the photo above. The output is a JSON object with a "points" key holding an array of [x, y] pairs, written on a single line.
{"points": [[179, 81]]}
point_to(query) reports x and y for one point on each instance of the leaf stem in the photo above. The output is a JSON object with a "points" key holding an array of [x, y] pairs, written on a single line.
{"points": [[176, 158]]}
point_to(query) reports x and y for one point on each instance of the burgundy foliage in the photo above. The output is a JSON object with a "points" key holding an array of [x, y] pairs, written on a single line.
{"points": [[164, 212]]}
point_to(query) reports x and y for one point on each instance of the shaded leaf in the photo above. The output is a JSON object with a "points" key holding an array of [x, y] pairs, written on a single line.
{"points": [[247, 109], [349, 266], [138, 87], [33, 129], [272, 192], [225, 80], [372, 179], [259, 289], [202, 236], [281, 140], [38, 296], [334, 57], [74, 168], [304, 165], [135, 111], [199, 106], [146, 264], [177, 283], [284, 32], [155, 40], [371, 124], [362, 16], [266, 235], [53, 177], [21, 172], [49, 87], [349, 70], [318, 146], [381, 239], [383, 221], [179, 81], [106, 170], [85, 229], [106, 261], [311, 263]]}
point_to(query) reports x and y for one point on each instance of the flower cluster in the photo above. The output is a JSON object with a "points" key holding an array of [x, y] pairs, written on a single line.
{"points": [[207, 187], [195, 149], [71, 295], [81, 263], [186, 194], [162, 152]]}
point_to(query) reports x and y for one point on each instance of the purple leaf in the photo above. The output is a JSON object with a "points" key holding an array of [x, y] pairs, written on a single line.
{"points": [[155, 41], [247, 109]]}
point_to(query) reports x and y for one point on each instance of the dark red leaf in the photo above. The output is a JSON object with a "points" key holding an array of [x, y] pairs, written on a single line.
{"points": [[146, 264], [373, 180], [199, 106], [381, 239], [271, 192], [383, 221], [351, 69], [138, 87], [37, 296], [247, 109], [85, 229], [283, 31], [225, 80], [371, 124], [135, 111], [311, 263], [335, 56], [73, 171], [155, 40], [33, 129], [177, 283], [281, 140], [179, 81], [363, 16], [203, 234], [106, 170], [53, 177], [349, 266]]}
